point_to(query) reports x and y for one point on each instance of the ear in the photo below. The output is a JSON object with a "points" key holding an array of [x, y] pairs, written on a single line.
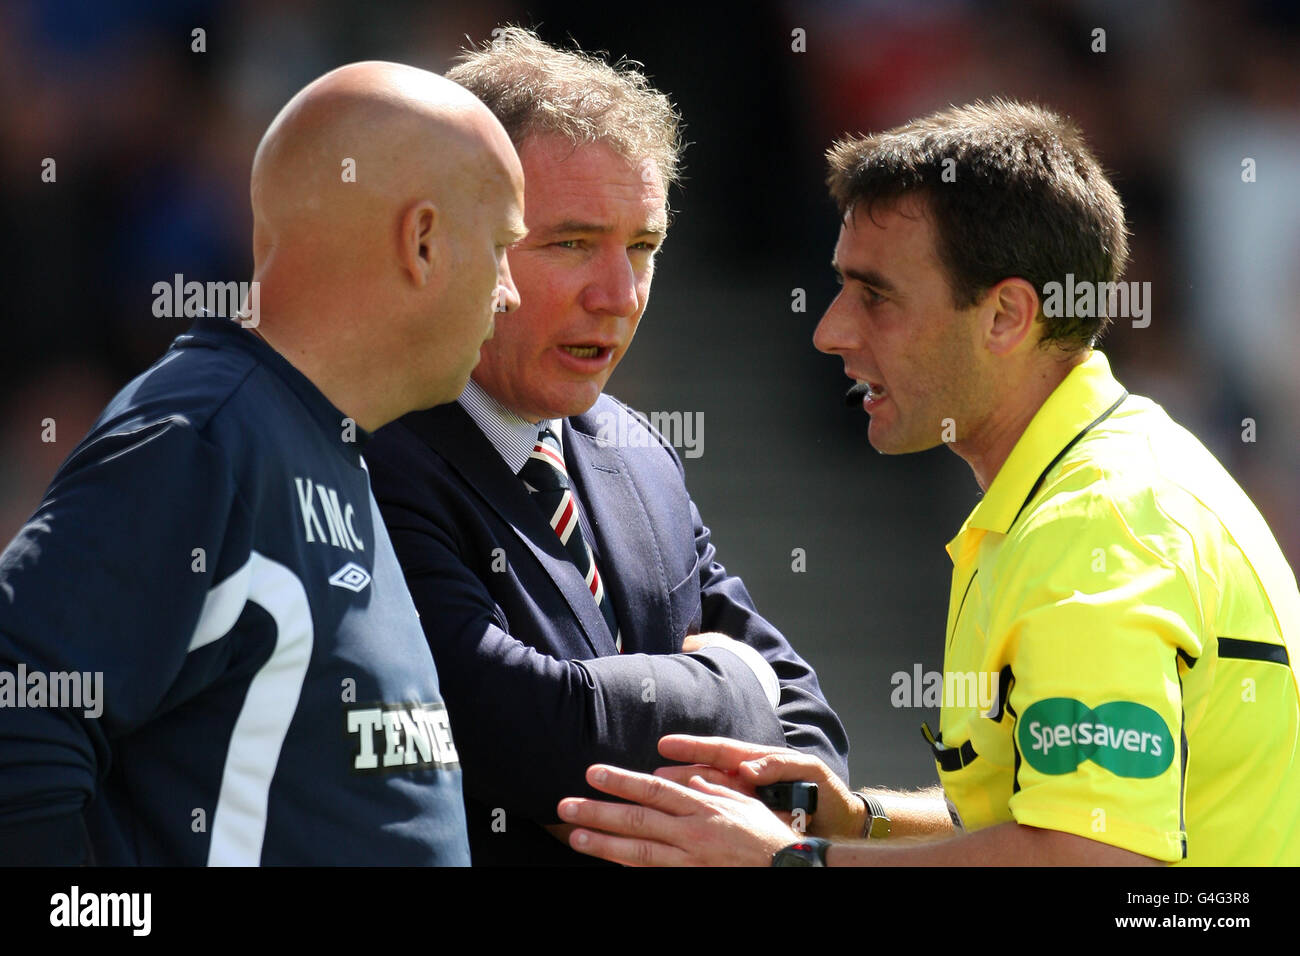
{"points": [[1015, 307], [417, 248]]}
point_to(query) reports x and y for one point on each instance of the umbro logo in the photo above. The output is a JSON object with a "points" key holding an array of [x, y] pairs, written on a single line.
{"points": [[351, 576]]}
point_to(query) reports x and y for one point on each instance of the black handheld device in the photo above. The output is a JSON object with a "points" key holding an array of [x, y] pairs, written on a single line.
{"points": [[789, 795]]}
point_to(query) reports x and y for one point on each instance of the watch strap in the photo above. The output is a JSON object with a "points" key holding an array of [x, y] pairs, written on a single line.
{"points": [[810, 851], [876, 825]]}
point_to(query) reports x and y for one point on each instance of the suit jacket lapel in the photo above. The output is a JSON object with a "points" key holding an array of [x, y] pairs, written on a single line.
{"points": [[450, 432], [626, 546]]}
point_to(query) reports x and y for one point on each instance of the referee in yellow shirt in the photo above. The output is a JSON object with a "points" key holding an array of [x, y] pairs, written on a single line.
{"points": [[1115, 586]]}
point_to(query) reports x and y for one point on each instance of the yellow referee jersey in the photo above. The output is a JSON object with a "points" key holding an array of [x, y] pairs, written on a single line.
{"points": [[1138, 625]]}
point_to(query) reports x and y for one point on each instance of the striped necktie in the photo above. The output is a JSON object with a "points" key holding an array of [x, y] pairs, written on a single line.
{"points": [[546, 478]]}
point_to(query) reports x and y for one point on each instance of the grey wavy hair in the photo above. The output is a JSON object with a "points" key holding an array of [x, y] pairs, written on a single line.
{"points": [[534, 88]]}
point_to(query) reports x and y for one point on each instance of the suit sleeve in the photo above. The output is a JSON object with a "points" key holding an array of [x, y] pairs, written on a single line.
{"points": [[99, 589], [807, 720], [808, 723], [527, 725]]}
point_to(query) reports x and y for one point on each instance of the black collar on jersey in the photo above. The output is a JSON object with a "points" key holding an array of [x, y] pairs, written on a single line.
{"points": [[218, 332], [1061, 454]]}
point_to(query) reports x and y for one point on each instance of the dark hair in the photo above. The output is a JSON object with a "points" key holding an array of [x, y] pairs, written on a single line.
{"points": [[1012, 190]]}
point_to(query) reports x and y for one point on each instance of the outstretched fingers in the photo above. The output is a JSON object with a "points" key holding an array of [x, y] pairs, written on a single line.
{"points": [[721, 752], [626, 850], [643, 788], [682, 775], [641, 833]]}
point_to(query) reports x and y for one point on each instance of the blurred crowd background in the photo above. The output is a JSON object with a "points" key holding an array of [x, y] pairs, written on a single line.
{"points": [[153, 142]]}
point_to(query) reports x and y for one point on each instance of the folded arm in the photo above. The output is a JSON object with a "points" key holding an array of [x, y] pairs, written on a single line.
{"points": [[528, 724]]}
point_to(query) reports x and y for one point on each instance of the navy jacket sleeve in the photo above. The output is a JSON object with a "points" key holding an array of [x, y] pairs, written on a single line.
{"points": [[528, 724], [808, 722], [101, 582]]}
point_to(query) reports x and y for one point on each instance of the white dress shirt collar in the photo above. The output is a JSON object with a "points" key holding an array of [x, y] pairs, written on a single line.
{"points": [[509, 433]]}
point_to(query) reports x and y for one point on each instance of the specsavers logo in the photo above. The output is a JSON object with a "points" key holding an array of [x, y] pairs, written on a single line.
{"points": [[1128, 739]]}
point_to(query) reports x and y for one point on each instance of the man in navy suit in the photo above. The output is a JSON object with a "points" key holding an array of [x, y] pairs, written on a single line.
{"points": [[568, 588]]}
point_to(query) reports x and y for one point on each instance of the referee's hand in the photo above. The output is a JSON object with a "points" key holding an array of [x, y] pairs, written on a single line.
{"points": [[743, 766]]}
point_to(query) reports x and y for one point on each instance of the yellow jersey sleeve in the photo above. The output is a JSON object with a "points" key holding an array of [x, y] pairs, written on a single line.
{"points": [[1093, 606]]}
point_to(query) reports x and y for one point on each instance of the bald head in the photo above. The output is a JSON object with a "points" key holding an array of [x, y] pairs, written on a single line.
{"points": [[380, 196], [362, 136]]}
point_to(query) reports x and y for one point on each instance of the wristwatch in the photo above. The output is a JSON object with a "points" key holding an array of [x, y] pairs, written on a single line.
{"points": [[810, 851], [876, 826]]}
